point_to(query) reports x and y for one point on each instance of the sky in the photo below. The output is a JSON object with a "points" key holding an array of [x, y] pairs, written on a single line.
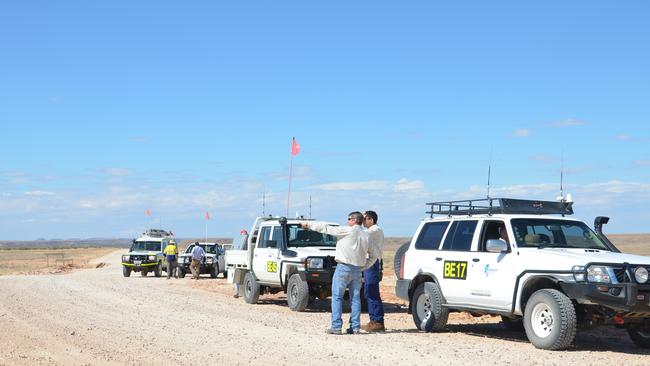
{"points": [[112, 108]]}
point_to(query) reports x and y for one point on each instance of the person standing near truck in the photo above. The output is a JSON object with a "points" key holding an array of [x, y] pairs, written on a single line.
{"points": [[197, 256], [372, 276], [352, 256], [171, 254]]}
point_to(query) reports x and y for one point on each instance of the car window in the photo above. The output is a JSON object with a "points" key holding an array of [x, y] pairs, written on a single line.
{"points": [[459, 237], [299, 237], [264, 237], [555, 233], [431, 235], [493, 230]]}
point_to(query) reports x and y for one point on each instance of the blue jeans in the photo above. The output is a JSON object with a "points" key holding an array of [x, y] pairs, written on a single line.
{"points": [[346, 276], [371, 290]]}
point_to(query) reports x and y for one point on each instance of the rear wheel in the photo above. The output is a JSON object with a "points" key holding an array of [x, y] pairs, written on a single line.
{"points": [[126, 271], [428, 313], [397, 261], [550, 320], [251, 289], [297, 293], [639, 335]]}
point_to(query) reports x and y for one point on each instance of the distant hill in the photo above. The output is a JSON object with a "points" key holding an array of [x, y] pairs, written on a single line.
{"points": [[90, 243]]}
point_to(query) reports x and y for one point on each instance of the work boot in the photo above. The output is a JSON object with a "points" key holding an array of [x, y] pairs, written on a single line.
{"points": [[333, 331], [373, 326]]}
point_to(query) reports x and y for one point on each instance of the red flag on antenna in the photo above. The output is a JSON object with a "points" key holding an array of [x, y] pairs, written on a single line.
{"points": [[243, 232], [207, 215], [148, 212], [295, 148]]}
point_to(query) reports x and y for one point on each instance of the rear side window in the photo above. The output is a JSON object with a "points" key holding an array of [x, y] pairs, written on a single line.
{"points": [[460, 236], [431, 235]]}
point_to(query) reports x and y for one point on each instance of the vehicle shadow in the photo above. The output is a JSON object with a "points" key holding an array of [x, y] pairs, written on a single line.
{"points": [[599, 339], [324, 306]]}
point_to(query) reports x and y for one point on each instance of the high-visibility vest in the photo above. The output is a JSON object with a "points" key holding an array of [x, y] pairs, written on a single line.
{"points": [[171, 250]]}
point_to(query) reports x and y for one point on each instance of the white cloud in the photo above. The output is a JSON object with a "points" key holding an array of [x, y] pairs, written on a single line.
{"points": [[642, 163], [39, 193], [405, 185], [522, 132], [570, 122], [117, 172], [352, 186], [624, 137]]}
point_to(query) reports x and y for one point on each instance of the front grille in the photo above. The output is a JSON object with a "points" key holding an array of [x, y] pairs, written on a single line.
{"points": [[621, 275]]}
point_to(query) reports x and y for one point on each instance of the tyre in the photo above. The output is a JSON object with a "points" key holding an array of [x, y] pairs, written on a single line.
{"points": [[397, 261], [225, 274], [126, 271], [426, 305], [180, 272], [640, 336], [297, 293], [143, 273], [158, 270], [214, 271], [550, 320], [516, 325], [251, 289]]}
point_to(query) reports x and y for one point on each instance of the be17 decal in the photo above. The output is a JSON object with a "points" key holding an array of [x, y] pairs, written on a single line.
{"points": [[271, 266], [456, 270]]}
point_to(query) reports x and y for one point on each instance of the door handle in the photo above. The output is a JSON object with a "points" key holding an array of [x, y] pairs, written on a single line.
{"points": [[476, 260], [438, 258]]}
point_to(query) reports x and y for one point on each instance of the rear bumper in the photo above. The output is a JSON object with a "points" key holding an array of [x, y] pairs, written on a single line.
{"points": [[402, 289]]}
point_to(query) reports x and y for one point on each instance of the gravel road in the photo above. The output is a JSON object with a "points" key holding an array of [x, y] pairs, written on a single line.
{"points": [[98, 317]]}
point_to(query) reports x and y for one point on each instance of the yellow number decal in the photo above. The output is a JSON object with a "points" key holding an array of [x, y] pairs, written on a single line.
{"points": [[271, 266]]}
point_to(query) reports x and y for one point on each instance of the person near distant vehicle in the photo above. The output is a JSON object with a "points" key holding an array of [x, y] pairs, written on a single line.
{"points": [[352, 256], [372, 276], [197, 256], [171, 254]]}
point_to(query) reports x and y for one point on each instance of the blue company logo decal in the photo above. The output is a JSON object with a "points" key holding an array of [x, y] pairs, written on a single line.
{"points": [[487, 270]]}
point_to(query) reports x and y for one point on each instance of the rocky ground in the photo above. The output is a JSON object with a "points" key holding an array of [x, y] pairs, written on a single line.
{"points": [[97, 317]]}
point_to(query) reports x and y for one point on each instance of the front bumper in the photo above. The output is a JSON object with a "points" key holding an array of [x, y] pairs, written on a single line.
{"points": [[622, 297], [203, 268], [146, 264], [322, 276]]}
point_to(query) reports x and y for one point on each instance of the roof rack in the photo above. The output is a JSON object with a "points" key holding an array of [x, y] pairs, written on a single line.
{"points": [[157, 233], [492, 206]]}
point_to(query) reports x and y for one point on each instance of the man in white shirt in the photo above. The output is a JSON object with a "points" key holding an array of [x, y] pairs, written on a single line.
{"points": [[352, 256], [372, 276]]}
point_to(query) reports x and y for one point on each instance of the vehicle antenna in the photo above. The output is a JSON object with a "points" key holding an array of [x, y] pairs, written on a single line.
{"points": [[561, 198], [264, 203], [489, 174], [310, 205]]}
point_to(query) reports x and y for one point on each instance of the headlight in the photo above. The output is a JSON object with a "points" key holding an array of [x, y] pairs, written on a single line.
{"points": [[125, 258], [314, 263], [152, 257], [578, 273], [641, 275], [598, 274]]}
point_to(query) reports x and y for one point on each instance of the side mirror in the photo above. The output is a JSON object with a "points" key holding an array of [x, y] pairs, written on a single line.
{"points": [[272, 244], [496, 246]]}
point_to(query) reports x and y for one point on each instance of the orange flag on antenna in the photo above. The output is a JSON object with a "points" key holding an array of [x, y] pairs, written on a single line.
{"points": [[148, 212], [295, 148], [207, 215]]}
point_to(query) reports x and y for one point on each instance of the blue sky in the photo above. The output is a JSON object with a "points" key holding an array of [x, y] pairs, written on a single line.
{"points": [[111, 108]]}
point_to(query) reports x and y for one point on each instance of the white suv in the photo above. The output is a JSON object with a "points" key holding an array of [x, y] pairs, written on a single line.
{"points": [[526, 261]]}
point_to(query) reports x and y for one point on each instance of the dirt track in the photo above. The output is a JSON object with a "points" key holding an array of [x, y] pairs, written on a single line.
{"points": [[96, 316]]}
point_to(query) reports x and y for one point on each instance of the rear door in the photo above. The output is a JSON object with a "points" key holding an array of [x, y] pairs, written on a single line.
{"points": [[455, 257]]}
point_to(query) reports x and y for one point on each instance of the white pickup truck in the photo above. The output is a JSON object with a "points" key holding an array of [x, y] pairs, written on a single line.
{"points": [[279, 255]]}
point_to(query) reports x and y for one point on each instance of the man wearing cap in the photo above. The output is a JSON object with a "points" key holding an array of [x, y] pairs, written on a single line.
{"points": [[171, 254]]}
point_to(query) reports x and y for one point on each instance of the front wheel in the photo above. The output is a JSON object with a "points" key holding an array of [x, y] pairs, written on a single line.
{"points": [[126, 271], [251, 288], [639, 335], [180, 272], [214, 271], [550, 320], [297, 293], [158, 270], [426, 305]]}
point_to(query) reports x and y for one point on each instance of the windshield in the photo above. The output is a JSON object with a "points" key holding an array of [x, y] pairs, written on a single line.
{"points": [[146, 245], [299, 237], [542, 233], [209, 248]]}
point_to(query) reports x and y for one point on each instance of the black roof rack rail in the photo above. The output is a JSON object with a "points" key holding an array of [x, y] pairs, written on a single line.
{"points": [[492, 206]]}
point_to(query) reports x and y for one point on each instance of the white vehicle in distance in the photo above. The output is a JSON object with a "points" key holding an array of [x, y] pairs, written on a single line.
{"points": [[528, 262], [213, 262], [146, 253]]}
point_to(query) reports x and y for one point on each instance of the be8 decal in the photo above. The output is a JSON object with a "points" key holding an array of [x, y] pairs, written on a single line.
{"points": [[271, 266], [456, 270]]}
